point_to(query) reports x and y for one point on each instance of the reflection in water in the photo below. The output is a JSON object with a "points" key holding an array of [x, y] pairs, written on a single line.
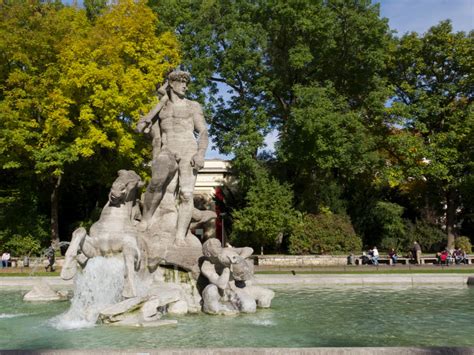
{"points": [[299, 317]]}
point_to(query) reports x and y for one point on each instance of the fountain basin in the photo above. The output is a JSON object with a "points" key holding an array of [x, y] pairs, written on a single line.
{"points": [[407, 315]]}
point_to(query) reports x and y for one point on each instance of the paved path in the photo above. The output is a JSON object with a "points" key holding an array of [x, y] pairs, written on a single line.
{"points": [[362, 279], [289, 279]]}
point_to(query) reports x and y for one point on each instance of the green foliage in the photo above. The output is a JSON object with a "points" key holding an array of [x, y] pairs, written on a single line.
{"points": [[71, 89], [267, 217], [23, 245], [464, 243], [263, 51], [432, 77], [391, 226], [20, 211], [325, 233], [326, 143], [430, 237], [94, 8]]}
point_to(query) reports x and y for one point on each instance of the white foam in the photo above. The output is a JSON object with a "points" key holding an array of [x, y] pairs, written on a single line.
{"points": [[7, 315], [98, 286], [263, 322]]}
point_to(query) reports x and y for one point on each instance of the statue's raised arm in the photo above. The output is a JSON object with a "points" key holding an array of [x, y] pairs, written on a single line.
{"points": [[145, 122]]}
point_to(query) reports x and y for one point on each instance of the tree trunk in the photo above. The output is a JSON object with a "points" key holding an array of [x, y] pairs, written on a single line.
{"points": [[450, 217], [55, 212]]}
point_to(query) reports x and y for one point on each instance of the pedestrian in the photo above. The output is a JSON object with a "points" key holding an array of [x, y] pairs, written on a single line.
{"points": [[416, 252], [51, 259], [5, 259]]}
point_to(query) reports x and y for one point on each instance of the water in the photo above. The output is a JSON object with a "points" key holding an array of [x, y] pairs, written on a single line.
{"points": [[97, 287], [299, 317]]}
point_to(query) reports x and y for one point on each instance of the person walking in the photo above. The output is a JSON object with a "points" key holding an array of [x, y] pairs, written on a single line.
{"points": [[5, 259], [51, 259], [416, 251]]}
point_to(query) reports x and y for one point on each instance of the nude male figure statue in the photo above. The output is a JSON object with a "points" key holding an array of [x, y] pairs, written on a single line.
{"points": [[174, 124]]}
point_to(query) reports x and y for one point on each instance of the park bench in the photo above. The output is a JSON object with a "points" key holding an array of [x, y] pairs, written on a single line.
{"points": [[385, 260], [434, 259], [427, 259]]}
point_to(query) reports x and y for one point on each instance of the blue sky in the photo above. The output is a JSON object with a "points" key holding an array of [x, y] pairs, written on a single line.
{"points": [[419, 15]]}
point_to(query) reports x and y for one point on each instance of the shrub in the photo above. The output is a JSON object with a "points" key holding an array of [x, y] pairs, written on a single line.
{"points": [[324, 233], [464, 243], [267, 217], [21, 246]]}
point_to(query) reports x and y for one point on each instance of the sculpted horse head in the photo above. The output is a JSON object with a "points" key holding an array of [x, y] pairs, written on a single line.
{"points": [[125, 188]]}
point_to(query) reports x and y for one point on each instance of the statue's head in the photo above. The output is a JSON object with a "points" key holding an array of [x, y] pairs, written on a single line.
{"points": [[242, 270], [212, 248], [125, 187], [179, 75], [217, 254], [178, 81]]}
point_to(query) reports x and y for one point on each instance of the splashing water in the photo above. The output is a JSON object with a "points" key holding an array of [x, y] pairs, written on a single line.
{"points": [[99, 285]]}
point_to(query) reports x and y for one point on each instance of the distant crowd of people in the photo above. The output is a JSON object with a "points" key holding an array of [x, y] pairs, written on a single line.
{"points": [[458, 256]]}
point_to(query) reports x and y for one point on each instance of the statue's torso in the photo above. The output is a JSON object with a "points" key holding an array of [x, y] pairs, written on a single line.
{"points": [[177, 128]]}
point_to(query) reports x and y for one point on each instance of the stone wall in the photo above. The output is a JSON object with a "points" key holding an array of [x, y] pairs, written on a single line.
{"points": [[300, 260]]}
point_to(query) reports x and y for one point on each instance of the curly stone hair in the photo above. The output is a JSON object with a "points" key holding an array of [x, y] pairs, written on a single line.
{"points": [[211, 247], [179, 75]]}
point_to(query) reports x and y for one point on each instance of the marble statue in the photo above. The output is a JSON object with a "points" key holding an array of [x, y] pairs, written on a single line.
{"points": [[150, 241], [176, 153]]}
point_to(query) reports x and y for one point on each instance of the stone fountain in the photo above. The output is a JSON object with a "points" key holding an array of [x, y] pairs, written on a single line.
{"points": [[140, 260]]}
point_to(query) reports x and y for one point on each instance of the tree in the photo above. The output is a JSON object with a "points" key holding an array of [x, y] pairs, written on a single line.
{"points": [[432, 140], [71, 89], [264, 51], [268, 216], [326, 146]]}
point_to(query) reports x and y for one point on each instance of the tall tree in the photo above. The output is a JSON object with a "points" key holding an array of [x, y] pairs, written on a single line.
{"points": [[71, 89], [433, 139], [261, 50]]}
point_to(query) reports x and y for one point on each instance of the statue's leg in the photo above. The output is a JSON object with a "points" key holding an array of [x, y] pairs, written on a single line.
{"points": [[210, 299], [163, 169], [88, 247], [263, 296], [131, 254], [246, 303], [187, 179], [69, 268]]}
